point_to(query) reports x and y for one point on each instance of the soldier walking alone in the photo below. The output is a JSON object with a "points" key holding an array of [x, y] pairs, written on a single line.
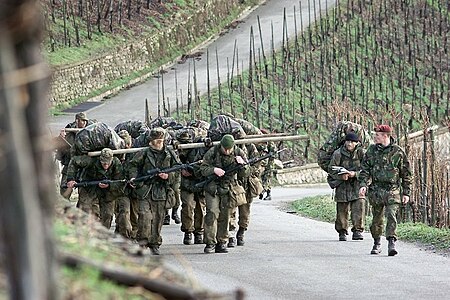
{"points": [[387, 165]]}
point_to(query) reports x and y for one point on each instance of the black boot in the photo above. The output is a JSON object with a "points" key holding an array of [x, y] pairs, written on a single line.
{"points": [[221, 248], [187, 240], [376, 249], [391, 247], [198, 238], [167, 218], [209, 248], [231, 242], [357, 236], [342, 236], [154, 249], [268, 197], [175, 216], [240, 236]]}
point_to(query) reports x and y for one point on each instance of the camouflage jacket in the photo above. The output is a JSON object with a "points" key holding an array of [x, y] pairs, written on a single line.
{"points": [[347, 190], [186, 157], [86, 168], [215, 158], [388, 168], [252, 152], [149, 159]]}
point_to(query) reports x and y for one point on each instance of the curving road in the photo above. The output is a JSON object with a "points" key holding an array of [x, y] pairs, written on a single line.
{"points": [[290, 257], [286, 256], [129, 104]]}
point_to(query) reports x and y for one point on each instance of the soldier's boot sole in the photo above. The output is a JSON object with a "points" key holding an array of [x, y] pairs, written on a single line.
{"points": [[376, 249]]}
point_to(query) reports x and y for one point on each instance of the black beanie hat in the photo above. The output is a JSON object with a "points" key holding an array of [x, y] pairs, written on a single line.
{"points": [[351, 136]]}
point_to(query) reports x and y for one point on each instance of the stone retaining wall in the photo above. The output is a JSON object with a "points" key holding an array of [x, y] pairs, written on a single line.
{"points": [[95, 75]]}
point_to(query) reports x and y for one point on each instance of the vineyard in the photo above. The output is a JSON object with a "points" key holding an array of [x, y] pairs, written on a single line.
{"points": [[79, 29], [369, 62]]}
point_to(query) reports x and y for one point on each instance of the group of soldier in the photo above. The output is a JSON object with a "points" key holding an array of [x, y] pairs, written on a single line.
{"points": [[215, 186], [382, 172]]}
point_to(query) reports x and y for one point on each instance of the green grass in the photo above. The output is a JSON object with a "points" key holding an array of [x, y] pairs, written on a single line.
{"points": [[77, 235], [323, 208]]}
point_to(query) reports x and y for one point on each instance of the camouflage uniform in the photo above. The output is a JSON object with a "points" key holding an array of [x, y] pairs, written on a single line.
{"points": [[244, 210], [193, 203], [347, 192], [90, 195], [267, 173], [128, 205], [218, 202], [63, 152], [155, 195], [389, 169]]}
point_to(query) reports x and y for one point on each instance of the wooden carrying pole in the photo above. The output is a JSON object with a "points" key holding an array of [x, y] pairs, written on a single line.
{"points": [[261, 139]]}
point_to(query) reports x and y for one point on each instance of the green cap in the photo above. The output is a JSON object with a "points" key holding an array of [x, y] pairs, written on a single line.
{"points": [[227, 141]]}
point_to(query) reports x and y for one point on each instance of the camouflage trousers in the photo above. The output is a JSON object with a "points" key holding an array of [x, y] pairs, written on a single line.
{"points": [[106, 201], [216, 219], [127, 216], [151, 218], [244, 215], [88, 201], [385, 203], [357, 209], [193, 206]]}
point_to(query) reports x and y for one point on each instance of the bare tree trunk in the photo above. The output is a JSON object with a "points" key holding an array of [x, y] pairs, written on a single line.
{"points": [[26, 188]]}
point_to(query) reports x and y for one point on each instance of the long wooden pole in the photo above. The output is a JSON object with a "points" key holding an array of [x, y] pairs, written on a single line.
{"points": [[261, 139]]}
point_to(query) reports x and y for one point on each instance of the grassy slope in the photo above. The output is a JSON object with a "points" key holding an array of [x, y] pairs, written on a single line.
{"points": [[363, 61]]}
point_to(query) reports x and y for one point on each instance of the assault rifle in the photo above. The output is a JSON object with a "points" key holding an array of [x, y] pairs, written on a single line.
{"points": [[152, 173], [236, 168], [95, 182]]}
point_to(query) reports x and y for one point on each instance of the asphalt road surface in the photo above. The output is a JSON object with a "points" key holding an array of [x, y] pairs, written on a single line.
{"points": [[129, 104], [290, 257]]}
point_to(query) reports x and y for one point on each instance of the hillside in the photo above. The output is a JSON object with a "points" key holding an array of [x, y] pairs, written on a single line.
{"points": [[369, 62], [77, 30]]}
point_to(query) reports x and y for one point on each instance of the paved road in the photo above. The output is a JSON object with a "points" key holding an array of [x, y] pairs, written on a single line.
{"points": [[129, 104], [290, 257]]}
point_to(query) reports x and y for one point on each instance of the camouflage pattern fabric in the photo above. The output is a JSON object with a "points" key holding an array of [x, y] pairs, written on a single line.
{"points": [[134, 128], [347, 192], [165, 122], [198, 124], [221, 125], [153, 194], [388, 170], [196, 134], [95, 137], [92, 170], [337, 138], [248, 127], [217, 193], [243, 219]]}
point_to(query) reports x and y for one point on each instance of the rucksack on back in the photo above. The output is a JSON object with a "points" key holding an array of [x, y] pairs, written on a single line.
{"points": [[134, 128], [95, 137], [337, 138], [221, 125]]}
